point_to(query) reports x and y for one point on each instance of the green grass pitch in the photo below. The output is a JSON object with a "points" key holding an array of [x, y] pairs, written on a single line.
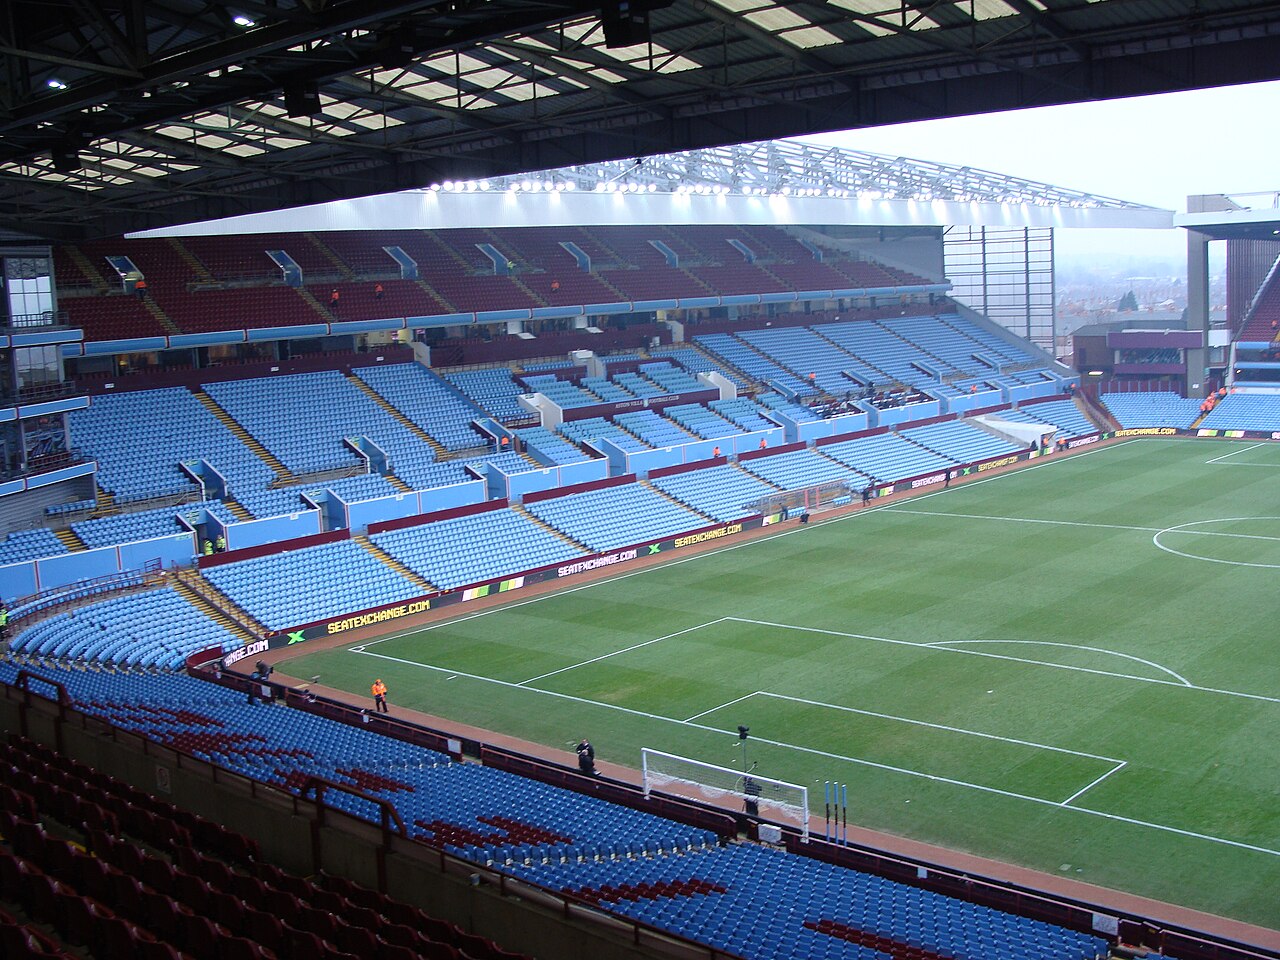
{"points": [[1072, 667]]}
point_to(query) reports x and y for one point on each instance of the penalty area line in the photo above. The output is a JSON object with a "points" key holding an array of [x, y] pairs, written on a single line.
{"points": [[1120, 764], [634, 646]]}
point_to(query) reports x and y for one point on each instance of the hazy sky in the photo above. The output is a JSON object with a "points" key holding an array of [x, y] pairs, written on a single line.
{"points": [[1152, 150]]}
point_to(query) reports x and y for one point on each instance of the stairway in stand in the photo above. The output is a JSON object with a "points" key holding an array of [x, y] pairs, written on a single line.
{"points": [[199, 269], [332, 257], [679, 503], [238, 509], [216, 605], [156, 311], [559, 534], [387, 560], [394, 411], [90, 272], [316, 305], [243, 435], [71, 539]]}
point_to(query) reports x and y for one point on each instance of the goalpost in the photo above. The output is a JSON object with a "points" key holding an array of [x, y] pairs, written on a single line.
{"points": [[777, 800]]}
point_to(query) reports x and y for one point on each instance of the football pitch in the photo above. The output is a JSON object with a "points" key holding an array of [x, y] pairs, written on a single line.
{"points": [[1072, 667]]}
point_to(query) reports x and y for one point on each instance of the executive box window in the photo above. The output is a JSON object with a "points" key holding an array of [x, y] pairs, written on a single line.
{"points": [[28, 283], [37, 366]]}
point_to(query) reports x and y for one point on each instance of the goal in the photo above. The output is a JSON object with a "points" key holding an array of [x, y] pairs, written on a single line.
{"points": [[776, 800], [820, 496]]}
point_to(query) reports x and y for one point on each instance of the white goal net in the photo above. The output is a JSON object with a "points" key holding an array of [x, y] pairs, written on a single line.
{"points": [[776, 800]]}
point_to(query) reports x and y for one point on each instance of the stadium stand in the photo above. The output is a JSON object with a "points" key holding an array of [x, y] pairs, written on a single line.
{"points": [[747, 415], [616, 516], [466, 550], [723, 492], [175, 879], [797, 469], [745, 899], [140, 438], [1244, 411], [592, 428], [556, 449], [560, 392], [1156, 409], [156, 629], [809, 356], [782, 908], [669, 378], [30, 544], [493, 390], [306, 586], [959, 441], [144, 525], [420, 394], [1265, 313], [653, 429], [797, 412], [882, 356], [698, 419], [695, 361], [1063, 414], [639, 385], [755, 365], [303, 420], [886, 456]]}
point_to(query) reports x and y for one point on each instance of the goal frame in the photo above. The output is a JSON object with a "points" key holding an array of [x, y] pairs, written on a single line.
{"points": [[793, 813]]}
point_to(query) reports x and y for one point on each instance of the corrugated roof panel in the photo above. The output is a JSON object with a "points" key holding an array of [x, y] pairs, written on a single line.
{"points": [[808, 37], [774, 19], [988, 9], [432, 90]]}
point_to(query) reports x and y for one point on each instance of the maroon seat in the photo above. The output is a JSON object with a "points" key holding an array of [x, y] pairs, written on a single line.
{"points": [[266, 929], [15, 872], [199, 935], [158, 874], [304, 945], [226, 909], [161, 914], [400, 935], [18, 942], [118, 938], [81, 919], [357, 940], [241, 948]]}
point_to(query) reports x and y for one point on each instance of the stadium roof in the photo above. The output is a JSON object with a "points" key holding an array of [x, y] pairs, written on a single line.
{"points": [[778, 182], [1239, 216], [121, 115]]}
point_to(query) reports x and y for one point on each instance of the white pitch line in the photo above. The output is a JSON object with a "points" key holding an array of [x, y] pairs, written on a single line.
{"points": [[1076, 646], [1000, 656], [697, 716], [634, 646], [1083, 790], [1252, 446], [854, 760], [935, 726]]}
